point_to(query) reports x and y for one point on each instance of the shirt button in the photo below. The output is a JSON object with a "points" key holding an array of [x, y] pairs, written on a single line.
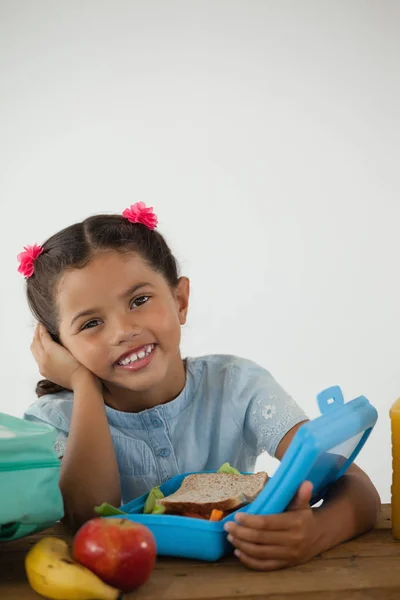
{"points": [[164, 452], [156, 423]]}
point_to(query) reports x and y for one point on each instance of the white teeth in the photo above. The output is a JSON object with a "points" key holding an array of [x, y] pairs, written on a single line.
{"points": [[136, 356]]}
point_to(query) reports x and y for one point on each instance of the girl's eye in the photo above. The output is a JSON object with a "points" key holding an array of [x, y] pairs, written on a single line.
{"points": [[134, 304], [90, 324], [139, 301]]}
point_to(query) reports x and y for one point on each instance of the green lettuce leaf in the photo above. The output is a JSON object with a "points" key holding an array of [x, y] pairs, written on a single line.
{"points": [[159, 509], [151, 506], [106, 510], [226, 468]]}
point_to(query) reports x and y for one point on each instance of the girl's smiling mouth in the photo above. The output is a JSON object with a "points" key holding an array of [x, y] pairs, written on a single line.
{"points": [[137, 358]]}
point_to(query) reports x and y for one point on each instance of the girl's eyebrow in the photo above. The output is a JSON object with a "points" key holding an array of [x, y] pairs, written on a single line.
{"points": [[90, 311]]}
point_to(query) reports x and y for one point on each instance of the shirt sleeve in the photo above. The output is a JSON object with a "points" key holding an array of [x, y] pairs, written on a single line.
{"points": [[50, 409], [263, 409]]}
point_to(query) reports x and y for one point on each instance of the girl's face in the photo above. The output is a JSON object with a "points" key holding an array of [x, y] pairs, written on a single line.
{"points": [[121, 320]]}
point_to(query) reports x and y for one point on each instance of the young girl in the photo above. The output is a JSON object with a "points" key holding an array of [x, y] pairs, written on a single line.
{"points": [[131, 413]]}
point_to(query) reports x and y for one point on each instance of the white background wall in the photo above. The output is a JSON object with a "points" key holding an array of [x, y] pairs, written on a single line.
{"points": [[266, 135]]}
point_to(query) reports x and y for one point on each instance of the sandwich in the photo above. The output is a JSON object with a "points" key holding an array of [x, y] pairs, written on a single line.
{"points": [[210, 496], [213, 495]]}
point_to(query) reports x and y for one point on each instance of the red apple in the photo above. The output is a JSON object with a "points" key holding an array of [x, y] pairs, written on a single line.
{"points": [[122, 553]]}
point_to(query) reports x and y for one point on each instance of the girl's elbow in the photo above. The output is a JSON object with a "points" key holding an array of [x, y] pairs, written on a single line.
{"points": [[378, 503], [75, 517], [80, 509]]}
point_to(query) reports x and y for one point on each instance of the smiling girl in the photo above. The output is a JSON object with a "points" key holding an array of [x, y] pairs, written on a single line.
{"points": [[131, 412]]}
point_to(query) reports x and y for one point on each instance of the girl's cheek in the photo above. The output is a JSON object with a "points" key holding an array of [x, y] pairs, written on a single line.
{"points": [[170, 326], [85, 354]]}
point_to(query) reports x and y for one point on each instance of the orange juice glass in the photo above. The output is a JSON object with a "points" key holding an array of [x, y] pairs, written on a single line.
{"points": [[395, 426]]}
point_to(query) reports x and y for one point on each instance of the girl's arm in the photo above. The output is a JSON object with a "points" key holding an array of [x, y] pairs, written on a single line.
{"points": [[351, 507], [89, 472]]}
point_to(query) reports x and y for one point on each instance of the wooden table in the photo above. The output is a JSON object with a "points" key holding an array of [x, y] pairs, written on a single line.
{"points": [[367, 568]]}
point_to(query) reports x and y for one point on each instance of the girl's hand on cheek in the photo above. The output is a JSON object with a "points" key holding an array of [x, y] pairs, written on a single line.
{"points": [[269, 542], [55, 362]]}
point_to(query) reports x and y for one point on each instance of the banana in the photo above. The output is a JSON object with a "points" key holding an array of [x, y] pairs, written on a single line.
{"points": [[52, 573]]}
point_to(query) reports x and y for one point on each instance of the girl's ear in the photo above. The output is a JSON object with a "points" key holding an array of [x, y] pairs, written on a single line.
{"points": [[182, 293]]}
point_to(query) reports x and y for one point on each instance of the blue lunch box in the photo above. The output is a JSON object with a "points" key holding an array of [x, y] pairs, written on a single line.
{"points": [[321, 452]]}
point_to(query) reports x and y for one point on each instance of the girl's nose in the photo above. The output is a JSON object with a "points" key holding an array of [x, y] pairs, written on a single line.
{"points": [[123, 329]]}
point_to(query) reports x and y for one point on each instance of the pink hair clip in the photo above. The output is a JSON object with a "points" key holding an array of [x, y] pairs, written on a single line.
{"points": [[27, 260], [140, 213]]}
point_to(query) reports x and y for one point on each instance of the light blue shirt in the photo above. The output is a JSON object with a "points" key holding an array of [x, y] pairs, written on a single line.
{"points": [[230, 409]]}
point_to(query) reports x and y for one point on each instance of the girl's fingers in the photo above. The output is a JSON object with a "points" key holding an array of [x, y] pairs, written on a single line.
{"points": [[36, 335], [279, 522], [260, 565], [45, 337], [36, 345], [261, 552], [38, 353], [303, 497], [260, 536]]}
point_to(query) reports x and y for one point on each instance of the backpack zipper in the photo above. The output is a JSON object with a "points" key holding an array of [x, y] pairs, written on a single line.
{"points": [[26, 467]]}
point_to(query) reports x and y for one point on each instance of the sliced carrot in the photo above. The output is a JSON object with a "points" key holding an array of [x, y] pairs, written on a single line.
{"points": [[216, 515]]}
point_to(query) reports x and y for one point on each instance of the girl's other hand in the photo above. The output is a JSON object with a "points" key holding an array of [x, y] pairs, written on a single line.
{"points": [[55, 362], [269, 542]]}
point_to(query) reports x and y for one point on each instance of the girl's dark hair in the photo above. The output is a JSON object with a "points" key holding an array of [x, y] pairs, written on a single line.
{"points": [[73, 247]]}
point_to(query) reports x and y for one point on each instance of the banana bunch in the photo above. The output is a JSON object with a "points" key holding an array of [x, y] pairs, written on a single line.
{"points": [[52, 573]]}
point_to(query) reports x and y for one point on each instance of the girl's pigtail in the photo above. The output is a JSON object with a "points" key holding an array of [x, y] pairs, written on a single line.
{"points": [[45, 387]]}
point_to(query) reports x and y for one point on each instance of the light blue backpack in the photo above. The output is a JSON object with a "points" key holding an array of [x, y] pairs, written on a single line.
{"points": [[30, 497]]}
